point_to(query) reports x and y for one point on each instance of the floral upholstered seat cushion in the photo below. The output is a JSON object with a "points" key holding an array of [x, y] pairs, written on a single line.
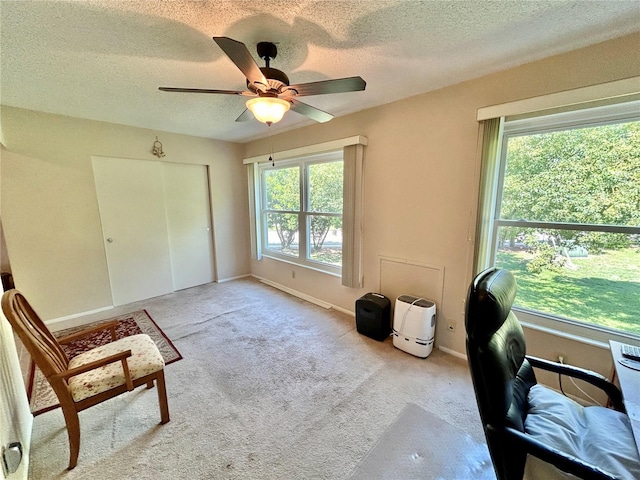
{"points": [[145, 359]]}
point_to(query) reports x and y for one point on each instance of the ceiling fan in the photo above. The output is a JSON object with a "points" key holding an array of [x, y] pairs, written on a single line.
{"points": [[272, 95]]}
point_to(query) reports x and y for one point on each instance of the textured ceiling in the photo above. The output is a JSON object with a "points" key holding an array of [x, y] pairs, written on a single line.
{"points": [[104, 60]]}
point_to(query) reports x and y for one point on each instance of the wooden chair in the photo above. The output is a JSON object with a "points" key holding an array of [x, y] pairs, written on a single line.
{"points": [[90, 377]]}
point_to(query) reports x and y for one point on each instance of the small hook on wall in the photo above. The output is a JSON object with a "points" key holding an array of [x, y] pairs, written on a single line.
{"points": [[157, 149]]}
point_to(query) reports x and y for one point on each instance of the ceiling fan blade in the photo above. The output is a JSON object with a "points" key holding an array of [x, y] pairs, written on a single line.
{"points": [[238, 53], [204, 90], [308, 111], [340, 85], [245, 116]]}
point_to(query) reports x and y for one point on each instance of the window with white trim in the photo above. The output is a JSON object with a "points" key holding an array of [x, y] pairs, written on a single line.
{"points": [[301, 203], [566, 216]]}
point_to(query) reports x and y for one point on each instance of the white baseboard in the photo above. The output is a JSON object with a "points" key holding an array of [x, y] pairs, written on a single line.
{"points": [[343, 310], [453, 352], [303, 296], [69, 321], [223, 280]]}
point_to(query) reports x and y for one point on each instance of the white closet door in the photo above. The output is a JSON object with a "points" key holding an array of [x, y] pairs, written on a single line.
{"points": [[132, 211], [16, 420], [187, 200]]}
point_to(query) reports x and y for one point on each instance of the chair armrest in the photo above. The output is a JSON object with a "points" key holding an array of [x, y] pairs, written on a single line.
{"points": [[97, 328], [594, 378], [117, 357], [561, 460]]}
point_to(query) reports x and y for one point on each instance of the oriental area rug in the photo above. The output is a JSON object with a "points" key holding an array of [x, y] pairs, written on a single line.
{"points": [[41, 396]]}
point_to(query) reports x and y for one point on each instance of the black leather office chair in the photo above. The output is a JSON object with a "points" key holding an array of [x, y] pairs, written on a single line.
{"points": [[521, 417]]}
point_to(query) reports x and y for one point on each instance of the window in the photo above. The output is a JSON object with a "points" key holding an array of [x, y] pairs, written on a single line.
{"points": [[301, 204], [566, 215], [337, 250]]}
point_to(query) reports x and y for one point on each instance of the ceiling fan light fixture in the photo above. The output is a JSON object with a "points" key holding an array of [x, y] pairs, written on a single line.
{"points": [[268, 109]]}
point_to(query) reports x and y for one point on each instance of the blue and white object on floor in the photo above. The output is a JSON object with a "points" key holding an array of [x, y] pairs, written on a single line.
{"points": [[414, 325]]}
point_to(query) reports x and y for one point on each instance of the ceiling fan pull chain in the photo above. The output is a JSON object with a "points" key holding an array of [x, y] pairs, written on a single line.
{"points": [[273, 163]]}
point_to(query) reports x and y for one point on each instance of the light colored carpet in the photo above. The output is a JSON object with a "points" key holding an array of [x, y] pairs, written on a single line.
{"points": [[270, 387]]}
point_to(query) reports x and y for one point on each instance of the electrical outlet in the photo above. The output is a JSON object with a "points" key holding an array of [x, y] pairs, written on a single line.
{"points": [[451, 325]]}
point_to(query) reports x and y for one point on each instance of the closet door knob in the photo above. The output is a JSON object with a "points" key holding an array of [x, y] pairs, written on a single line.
{"points": [[110, 240]]}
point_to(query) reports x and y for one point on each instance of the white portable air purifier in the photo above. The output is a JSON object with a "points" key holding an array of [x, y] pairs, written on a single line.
{"points": [[414, 325]]}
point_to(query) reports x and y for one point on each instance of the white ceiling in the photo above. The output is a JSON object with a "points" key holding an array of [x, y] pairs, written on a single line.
{"points": [[105, 59]]}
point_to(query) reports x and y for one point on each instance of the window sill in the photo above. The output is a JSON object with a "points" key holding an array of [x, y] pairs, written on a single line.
{"points": [[577, 332], [334, 272]]}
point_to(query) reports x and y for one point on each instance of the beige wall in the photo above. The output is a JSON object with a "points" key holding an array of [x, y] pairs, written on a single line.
{"points": [[421, 179], [5, 266], [50, 210]]}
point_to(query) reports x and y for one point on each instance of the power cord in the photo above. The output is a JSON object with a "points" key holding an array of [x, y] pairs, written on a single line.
{"points": [[561, 360], [404, 317]]}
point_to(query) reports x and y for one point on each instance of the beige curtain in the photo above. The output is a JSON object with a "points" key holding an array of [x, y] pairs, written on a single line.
{"points": [[353, 195], [491, 138], [254, 223]]}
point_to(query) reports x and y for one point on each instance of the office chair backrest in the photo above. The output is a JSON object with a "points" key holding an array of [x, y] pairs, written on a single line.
{"points": [[496, 351]]}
